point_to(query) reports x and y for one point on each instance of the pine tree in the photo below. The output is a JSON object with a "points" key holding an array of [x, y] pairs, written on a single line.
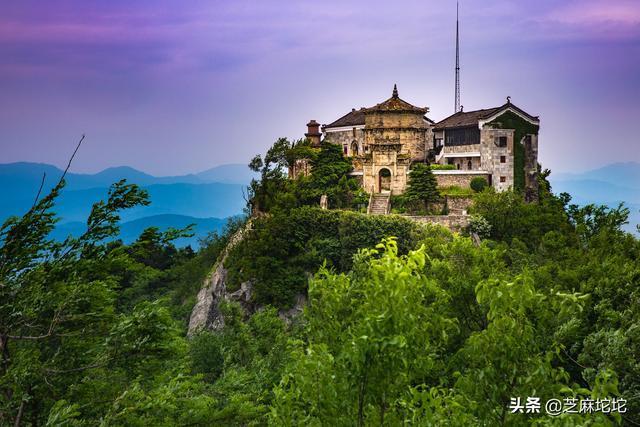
{"points": [[422, 186]]}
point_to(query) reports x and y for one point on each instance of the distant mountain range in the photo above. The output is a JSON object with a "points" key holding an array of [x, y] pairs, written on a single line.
{"points": [[608, 185], [206, 198], [131, 230]]}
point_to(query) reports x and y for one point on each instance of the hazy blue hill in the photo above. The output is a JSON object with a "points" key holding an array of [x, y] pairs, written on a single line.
{"points": [[129, 231], [111, 175], [195, 200], [188, 195], [24, 177], [591, 191], [231, 173], [609, 185], [625, 174]]}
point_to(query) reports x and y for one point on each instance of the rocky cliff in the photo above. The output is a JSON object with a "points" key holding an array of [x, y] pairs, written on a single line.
{"points": [[206, 312]]}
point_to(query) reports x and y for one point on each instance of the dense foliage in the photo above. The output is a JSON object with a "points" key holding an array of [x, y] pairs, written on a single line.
{"points": [[328, 176], [478, 184], [422, 328], [422, 187], [284, 248]]}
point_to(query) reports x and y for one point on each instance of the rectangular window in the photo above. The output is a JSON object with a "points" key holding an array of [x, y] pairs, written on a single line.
{"points": [[501, 141], [503, 159], [344, 149], [462, 136], [503, 179]]}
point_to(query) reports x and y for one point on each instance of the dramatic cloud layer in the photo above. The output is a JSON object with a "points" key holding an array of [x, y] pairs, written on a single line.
{"points": [[172, 87]]}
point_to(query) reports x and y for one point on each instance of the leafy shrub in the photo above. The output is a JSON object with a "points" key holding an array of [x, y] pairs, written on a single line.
{"points": [[398, 203], [480, 226], [454, 190], [478, 184], [438, 167], [510, 217], [422, 187], [283, 249]]}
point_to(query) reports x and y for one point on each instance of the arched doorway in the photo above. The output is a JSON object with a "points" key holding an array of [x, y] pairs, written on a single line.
{"points": [[354, 148], [384, 180]]}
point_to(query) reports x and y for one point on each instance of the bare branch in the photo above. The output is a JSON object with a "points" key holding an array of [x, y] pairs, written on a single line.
{"points": [[71, 159], [35, 202]]}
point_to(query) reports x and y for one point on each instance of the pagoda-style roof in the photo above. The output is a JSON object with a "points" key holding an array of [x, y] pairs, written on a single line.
{"points": [[395, 104], [472, 118]]}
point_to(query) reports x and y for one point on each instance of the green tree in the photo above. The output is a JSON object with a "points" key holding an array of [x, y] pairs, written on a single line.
{"points": [[50, 306], [422, 186]]}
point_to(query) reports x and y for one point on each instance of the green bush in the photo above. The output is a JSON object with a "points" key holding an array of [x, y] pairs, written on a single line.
{"points": [[455, 191], [478, 184], [480, 226], [284, 248], [438, 167], [422, 187]]}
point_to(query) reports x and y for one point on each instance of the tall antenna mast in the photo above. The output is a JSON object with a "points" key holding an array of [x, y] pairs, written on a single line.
{"points": [[457, 101]]}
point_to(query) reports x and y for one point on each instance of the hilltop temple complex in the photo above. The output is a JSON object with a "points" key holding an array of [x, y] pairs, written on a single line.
{"points": [[499, 144]]}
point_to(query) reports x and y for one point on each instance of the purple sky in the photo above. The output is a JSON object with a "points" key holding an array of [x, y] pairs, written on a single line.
{"points": [[172, 87]]}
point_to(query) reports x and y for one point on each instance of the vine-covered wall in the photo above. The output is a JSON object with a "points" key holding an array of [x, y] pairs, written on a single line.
{"points": [[510, 120]]}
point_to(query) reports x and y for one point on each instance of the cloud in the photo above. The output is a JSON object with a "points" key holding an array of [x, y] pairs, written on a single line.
{"points": [[594, 19]]}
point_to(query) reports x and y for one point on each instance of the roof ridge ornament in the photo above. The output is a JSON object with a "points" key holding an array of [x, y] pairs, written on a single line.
{"points": [[508, 100], [395, 91]]}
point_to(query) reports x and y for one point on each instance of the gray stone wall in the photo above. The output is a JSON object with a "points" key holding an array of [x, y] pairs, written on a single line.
{"points": [[462, 148], [454, 223], [463, 180], [459, 204], [345, 138], [490, 157]]}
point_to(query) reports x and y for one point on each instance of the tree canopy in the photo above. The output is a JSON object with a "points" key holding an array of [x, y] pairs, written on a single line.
{"points": [[405, 323]]}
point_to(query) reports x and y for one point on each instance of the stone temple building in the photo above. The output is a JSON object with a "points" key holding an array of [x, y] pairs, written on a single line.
{"points": [[499, 144]]}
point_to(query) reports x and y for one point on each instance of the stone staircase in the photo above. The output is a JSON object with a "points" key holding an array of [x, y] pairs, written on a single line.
{"points": [[379, 204]]}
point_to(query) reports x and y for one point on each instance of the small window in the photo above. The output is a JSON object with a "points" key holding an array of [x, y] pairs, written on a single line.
{"points": [[458, 166], [353, 131], [345, 149], [503, 179], [503, 159], [501, 141], [469, 165]]}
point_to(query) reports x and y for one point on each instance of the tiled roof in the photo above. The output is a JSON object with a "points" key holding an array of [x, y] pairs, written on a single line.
{"points": [[352, 118], [396, 104], [467, 118], [471, 118], [356, 117]]}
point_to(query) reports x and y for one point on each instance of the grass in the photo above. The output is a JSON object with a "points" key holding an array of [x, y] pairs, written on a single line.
{"points": [[456, 191]]}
